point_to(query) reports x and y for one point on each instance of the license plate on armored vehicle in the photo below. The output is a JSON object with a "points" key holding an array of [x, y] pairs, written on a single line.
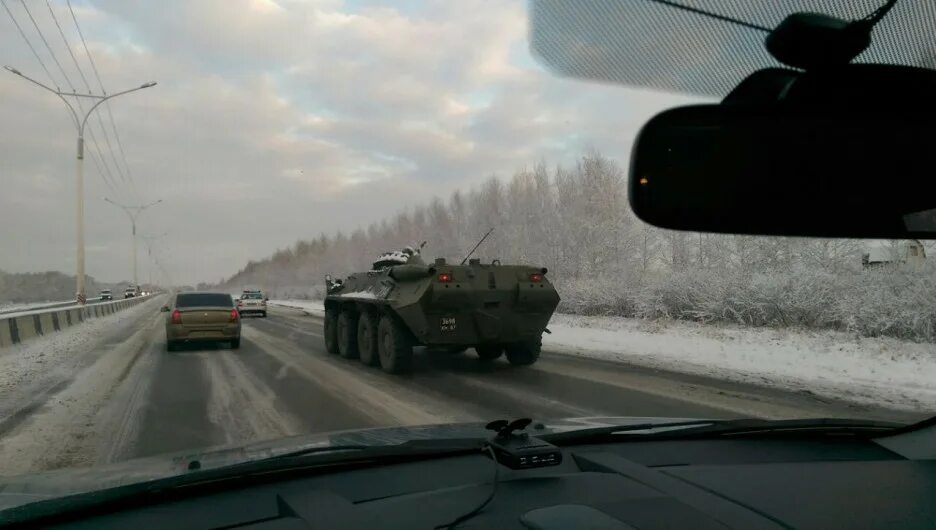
{"points": [[447, 324]]}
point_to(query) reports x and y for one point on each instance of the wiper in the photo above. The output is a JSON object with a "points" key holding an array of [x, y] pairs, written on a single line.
{"points": [[422, 447], [722, 428]]}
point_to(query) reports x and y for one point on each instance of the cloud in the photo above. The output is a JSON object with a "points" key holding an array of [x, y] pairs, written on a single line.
{"points": [[275, 120]]}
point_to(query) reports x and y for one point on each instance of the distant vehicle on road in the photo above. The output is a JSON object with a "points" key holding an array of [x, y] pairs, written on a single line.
{"points": [[202, 317], [129, 292], [252, 301], [106, 294]]}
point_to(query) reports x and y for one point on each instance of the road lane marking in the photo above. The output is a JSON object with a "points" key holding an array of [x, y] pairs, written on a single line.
{"points": [[241, 405], [385, 399]]}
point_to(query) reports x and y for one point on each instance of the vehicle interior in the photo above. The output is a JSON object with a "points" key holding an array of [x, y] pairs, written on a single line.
{"points": [[822, 128]]}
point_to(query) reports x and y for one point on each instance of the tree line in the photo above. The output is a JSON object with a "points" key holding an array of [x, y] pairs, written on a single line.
{"points": [[576, 222]]}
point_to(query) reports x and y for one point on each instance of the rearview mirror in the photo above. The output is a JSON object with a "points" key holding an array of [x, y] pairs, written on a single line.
{"points": [[780, 170], [164, 309]]}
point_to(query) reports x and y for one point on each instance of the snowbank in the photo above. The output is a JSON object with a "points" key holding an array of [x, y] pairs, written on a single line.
{"points": [[312, 307], [883, 371]]}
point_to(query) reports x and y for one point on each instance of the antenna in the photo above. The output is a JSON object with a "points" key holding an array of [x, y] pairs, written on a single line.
{"points": [[476, 246]]}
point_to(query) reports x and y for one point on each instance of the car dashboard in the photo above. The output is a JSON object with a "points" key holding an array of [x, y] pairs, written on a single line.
{"points": [[699, 484]]}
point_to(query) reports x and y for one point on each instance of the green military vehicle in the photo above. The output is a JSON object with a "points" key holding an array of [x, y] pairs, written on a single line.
{"points": [[378, 316]]}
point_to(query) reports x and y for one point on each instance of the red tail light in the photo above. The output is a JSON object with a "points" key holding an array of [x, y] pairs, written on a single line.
{"points": [[445, 277], [536, 277], [177, 317], [234, 315]]}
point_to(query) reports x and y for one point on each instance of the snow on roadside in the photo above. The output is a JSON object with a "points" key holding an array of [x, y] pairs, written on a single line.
{"points": [[312, 307], [886, 372], [24, 362]]}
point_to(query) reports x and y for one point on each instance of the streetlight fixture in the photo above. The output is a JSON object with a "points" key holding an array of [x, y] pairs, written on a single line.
{"points": [[80, 125], [133, 212]]}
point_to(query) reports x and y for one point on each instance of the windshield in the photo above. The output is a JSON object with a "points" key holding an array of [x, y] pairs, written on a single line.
{"points": [[435, 214], [203, 300]]}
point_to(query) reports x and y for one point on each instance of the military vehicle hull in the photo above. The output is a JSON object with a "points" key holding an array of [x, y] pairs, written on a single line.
{"points": [[494, 308]]}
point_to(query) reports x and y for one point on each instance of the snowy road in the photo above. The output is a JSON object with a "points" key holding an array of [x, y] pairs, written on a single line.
{"points": [[112, 392]]}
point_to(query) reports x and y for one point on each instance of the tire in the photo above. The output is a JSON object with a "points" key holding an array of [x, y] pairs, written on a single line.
{"points": [[235, 343], [331, 331], [489, 352], [394, 346], [524, 353], [263, 314], [347, 335], [171, 345], [367, 339]]}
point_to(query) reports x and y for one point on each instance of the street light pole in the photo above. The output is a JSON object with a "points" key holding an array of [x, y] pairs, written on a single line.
{"points": [[149, 252], [80, 125], [134, 212]]}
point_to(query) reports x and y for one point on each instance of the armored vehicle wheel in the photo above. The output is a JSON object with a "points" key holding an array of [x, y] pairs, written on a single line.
{"points": [[524, 353], [489, 352], [394, 346], [347, 335], [331, 331], [367, 339]]}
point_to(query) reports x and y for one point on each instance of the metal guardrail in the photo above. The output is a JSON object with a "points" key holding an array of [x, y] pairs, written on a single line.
{"points": [[50, 305], [23, 325]]}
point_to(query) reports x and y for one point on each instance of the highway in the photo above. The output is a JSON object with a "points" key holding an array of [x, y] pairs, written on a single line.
{"points": [[125, 396]]}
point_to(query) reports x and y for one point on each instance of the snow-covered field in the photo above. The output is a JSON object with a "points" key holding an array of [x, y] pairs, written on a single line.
{"points": [[313, 307], [887, 372], [883, 371]]}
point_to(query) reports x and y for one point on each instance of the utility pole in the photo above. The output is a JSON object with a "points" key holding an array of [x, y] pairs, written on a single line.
{"points": [[133, 212], [81, 295]]}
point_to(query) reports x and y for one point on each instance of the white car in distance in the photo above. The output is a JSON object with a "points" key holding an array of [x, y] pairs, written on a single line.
{"points": [[252, 302]]}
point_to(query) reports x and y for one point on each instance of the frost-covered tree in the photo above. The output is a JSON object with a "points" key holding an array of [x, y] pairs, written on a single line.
{"points": [[576, 222]]}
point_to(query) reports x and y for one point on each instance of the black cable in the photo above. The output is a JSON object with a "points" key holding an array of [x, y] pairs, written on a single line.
{"points": [[49, 48], [28, 43], [716, 16], [462, 518], [68, 46], [110, 115], [88, 87]]}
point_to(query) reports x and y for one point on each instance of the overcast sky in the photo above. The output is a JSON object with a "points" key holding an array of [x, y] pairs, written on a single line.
{"points": [[277, 120]]}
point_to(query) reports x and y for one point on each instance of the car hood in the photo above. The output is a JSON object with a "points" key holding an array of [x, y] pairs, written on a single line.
{"points": [[24, 489]]}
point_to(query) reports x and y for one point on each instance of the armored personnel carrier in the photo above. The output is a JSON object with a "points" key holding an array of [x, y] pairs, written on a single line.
{"points": [[378, 316]]}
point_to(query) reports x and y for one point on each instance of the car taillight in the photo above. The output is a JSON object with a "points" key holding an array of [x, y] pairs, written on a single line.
{"points": [[177, 317], [536, 277], [234, 315], [445, 277]]}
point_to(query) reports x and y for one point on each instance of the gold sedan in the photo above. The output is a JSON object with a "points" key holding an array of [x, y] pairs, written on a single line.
{"points": [[202, 317]]}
